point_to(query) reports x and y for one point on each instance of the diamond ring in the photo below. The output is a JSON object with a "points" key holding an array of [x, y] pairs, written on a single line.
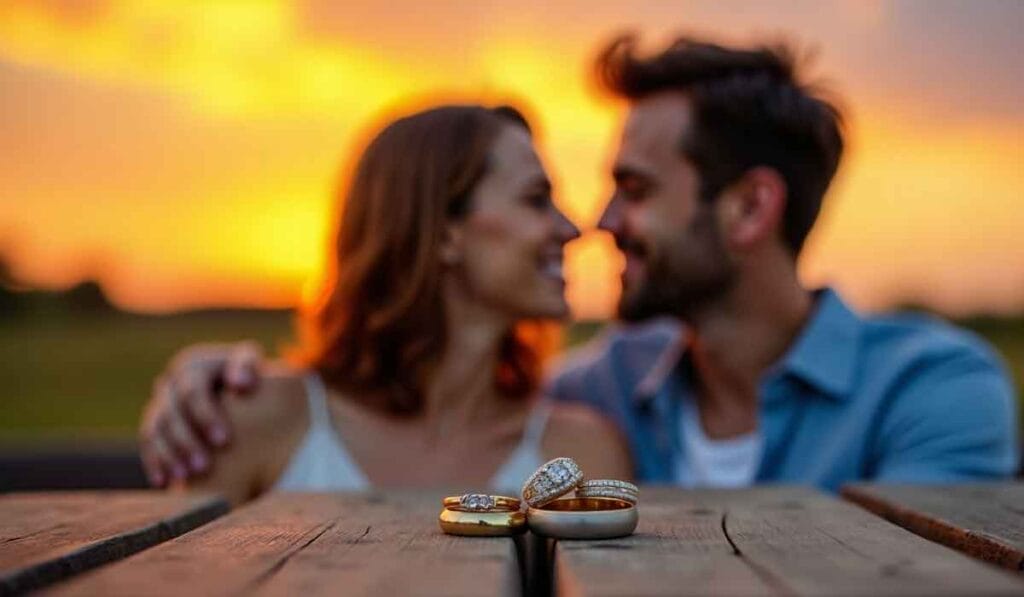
{"points": [[551, 481], [608, 488], [481, 502]]}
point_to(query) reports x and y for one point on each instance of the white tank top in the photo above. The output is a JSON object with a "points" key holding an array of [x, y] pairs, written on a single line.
{"points": [[321, 462]]}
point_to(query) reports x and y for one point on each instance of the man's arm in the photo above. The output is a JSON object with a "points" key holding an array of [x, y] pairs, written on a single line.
{"points": [[184, 417], [954, 421], [604, 371]]}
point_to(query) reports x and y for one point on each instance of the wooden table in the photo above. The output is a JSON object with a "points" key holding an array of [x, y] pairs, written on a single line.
{"points": [[765, 541], [311, 544], [983, 520], [45, 537], [768, 541]]}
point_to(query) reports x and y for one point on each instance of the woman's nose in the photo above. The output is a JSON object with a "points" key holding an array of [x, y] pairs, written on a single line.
{"points": [[567, 231]]}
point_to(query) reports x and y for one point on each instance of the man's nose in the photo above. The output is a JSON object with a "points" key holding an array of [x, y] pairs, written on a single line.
{"points": [[611, 218]]}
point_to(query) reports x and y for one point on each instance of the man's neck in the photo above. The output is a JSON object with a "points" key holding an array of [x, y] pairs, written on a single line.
{"points": [[735, 341], [750, 331]]}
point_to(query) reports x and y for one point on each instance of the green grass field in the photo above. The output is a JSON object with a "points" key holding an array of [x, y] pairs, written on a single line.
{"points": [[89, 375], [68, 375]]}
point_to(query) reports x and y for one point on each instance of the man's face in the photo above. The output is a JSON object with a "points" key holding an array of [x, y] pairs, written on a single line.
{"points": [[676, 261]]}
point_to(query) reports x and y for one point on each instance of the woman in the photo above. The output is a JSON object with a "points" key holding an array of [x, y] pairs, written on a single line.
{"points": [[419, 369]]}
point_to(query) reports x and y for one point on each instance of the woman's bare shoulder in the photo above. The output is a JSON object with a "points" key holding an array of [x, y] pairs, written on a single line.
{"points": [[266, 424], [594, 441], [279, 398]]}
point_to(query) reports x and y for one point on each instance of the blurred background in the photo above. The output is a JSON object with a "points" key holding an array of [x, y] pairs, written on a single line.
{"points": [[168, 167]]}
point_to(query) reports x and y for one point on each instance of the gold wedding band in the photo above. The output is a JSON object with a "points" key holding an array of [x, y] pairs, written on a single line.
{"points": [[584, 518], [609, 488], [481, 502], [482, 524], [552, 480]]}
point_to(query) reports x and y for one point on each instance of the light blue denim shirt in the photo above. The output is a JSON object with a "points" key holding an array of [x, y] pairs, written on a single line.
{"points": [[902, 398]]}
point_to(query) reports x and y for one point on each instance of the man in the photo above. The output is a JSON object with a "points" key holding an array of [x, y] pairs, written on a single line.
{"points": [[724, 160]]}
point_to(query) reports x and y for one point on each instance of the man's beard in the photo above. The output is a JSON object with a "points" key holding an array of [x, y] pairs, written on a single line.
{"points": [[682, 279]]}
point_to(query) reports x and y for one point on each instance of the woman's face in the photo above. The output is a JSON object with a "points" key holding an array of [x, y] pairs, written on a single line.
{"points": [[509, 244]]}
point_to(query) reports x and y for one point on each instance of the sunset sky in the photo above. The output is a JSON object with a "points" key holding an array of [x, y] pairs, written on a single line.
{"points": [[184, 153]]}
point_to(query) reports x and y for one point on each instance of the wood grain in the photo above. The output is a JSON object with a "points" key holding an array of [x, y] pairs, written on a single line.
{"points": [[678, 549], [45, 537], [985, 521], [774, 541], [311, 544]]}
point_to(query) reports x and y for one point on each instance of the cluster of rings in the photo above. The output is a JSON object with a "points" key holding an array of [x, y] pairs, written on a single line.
{"points": [[599, 508]]}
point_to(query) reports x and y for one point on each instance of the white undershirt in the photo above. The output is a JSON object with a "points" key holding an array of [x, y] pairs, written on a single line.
{"points": [[706, 462]]}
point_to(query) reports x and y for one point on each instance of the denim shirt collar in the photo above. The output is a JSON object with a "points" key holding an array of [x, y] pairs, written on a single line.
{"points": [[824, 355], [661, 369]]}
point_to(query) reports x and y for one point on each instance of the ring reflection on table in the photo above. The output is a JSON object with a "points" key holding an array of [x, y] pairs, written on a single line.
{"points": [[584, 518], [482, 524]]}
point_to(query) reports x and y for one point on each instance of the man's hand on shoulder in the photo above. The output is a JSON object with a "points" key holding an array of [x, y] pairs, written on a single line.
{"points": [[184, 418]]}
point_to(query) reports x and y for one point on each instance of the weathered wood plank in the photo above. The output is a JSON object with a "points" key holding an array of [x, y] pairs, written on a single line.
{"points": [[983, 520], [815, 544], [307, 544], [772, 540], [678, 549], [45, 537]]}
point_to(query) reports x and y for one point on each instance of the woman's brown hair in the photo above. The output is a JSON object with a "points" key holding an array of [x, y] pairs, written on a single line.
{"points": [[378, 329]]}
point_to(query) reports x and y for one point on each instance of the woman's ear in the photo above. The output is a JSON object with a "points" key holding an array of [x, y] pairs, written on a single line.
{"points": [[752, 208], [452, 244]]}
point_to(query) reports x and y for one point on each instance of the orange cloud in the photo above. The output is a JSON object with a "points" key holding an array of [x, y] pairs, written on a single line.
{"points": [[192, 148]]}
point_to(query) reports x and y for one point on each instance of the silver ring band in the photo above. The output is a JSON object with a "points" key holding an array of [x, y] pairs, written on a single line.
{"points": [[584, 518]]}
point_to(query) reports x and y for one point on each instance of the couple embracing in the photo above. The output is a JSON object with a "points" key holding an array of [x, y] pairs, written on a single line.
{"points": [[421, 363]]}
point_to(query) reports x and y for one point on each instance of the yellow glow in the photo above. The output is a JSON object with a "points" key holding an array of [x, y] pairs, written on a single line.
{"points": [[225, 194], [926, 211]]}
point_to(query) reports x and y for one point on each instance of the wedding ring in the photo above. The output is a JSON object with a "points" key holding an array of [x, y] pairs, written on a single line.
{"points": [[584, 518], [609, 488], [480, 502], [482, 524], [551, 481]]}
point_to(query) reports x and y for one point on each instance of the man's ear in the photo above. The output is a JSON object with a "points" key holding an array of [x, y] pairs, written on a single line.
{"points": [[451, 250], [751, 209]]}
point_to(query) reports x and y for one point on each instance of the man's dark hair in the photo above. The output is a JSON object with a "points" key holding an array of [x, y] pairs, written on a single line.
{"points": [[749, 109]]}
